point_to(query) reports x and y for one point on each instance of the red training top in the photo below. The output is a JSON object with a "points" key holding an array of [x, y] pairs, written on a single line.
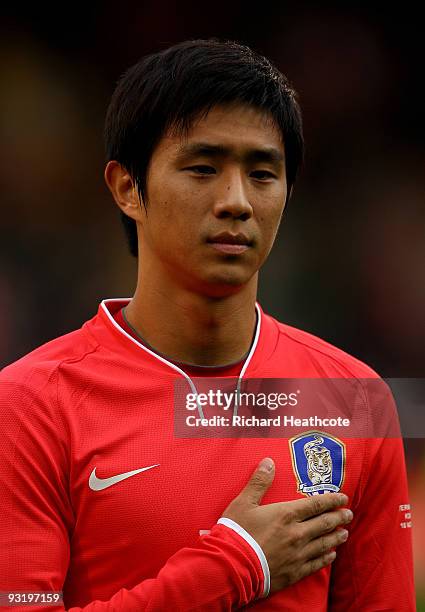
{"points": [[102, 500]]}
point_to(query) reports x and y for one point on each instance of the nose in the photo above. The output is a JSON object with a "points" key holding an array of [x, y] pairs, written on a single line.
{"points": [[232, 199]]}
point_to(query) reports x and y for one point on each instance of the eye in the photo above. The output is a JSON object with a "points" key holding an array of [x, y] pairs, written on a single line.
{"points": [[201, 169], [262, 175]]}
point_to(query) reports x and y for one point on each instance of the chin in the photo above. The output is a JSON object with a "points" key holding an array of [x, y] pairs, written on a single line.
{"points": [[225, 284]]}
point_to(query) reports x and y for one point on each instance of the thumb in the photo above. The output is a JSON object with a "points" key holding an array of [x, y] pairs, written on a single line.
{"points": [[259, 483]]}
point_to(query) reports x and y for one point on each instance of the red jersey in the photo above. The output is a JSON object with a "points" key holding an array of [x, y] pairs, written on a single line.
{"points": [[102, 501]]}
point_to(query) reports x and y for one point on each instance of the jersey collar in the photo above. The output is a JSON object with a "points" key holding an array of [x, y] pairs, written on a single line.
{"points": [[110, 335]]}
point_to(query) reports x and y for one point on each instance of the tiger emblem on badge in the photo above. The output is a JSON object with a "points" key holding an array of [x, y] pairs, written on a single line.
{"points": [[318, 460]]}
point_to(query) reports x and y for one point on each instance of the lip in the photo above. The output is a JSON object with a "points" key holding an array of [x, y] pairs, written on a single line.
{"points": [[228, 238], [226, 242], [232, 249], [232, 244]]}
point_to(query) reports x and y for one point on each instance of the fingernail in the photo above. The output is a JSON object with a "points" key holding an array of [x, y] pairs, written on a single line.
{"points": [[266, 465], [343, 498], [348, 515], [344, 535], [331, 556]]}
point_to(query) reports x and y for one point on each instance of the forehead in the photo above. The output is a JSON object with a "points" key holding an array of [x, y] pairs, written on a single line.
{"points": [[233, 126]]}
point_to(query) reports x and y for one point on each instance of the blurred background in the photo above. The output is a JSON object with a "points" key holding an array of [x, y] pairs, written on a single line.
{"points": [[349, 262]]}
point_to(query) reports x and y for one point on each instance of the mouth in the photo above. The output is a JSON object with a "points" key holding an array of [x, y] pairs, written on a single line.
{"points": [[232, 244]]}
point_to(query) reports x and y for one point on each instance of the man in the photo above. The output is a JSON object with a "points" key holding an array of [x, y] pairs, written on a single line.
{"points": [[101, 499]]}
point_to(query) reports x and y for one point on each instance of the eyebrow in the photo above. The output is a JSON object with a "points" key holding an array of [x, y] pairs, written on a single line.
{"points": [[203, 149]]}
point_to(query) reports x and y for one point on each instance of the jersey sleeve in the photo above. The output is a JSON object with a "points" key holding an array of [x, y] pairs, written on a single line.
{"points": [[222, 572], [374, 569]]}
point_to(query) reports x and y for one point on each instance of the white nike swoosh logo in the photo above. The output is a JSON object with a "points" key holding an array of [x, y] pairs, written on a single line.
{"points": [[98, 484]]}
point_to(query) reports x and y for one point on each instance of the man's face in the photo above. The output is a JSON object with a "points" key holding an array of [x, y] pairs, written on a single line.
{"points": [[214, 201]]}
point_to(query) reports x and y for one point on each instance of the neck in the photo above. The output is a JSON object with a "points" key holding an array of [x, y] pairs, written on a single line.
{"points": [[193, 328]]}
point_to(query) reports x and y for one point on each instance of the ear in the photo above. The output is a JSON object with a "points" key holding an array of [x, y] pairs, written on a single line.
{"points": [[123, 190]]}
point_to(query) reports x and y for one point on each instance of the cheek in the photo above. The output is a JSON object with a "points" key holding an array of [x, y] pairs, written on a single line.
{"points": [[171, 224], [269, 219]]}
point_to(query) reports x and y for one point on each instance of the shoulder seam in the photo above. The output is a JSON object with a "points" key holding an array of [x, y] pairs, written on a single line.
{"points": [[79, 358], [326, 354], [55, 368]]}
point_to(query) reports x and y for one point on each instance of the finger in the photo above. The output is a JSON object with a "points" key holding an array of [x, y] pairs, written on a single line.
{"points": [[258, 484], [325, 523], [324, 544], [314, 565], [316, 504]]}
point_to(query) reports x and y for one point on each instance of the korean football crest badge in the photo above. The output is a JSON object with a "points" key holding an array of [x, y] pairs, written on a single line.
{"points": [[318, 460]]}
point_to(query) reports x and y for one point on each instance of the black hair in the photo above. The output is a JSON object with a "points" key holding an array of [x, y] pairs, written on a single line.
{"points": [[169, 89]]}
